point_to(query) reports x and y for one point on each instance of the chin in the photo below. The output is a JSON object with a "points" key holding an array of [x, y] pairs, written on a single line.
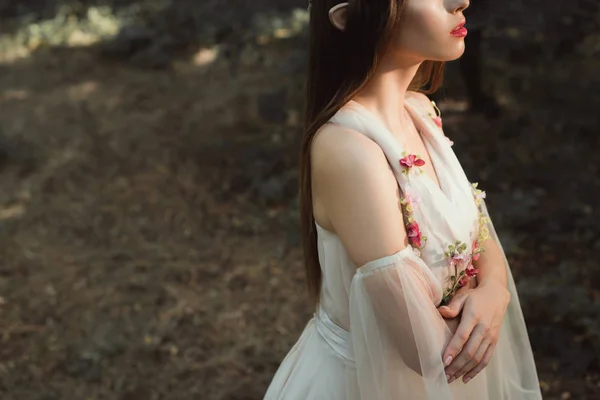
{"points": [[457, 55], [459, 50], [450, 54]]}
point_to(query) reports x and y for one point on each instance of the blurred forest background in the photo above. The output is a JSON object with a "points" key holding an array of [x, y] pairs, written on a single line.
{"points": [[149, 242]]}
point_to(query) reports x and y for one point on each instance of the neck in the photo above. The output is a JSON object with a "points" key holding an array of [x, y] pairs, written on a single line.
{"points": [[384, 93]]}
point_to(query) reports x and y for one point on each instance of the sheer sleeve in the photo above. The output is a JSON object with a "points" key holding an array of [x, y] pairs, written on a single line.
{"points": [[511, 373], [397, 337], [397, 333]]}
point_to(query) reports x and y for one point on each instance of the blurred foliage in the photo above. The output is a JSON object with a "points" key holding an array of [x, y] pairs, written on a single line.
{"points": [[160, 27]]}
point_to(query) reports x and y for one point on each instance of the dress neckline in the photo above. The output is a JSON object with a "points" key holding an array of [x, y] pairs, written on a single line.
{"points": [[435, 158]]}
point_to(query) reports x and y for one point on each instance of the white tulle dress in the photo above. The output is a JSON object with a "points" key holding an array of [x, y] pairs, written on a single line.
{"points": [[377, 333]]}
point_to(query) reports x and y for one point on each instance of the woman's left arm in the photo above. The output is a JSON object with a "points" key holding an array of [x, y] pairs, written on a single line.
{"points": [[483, 309], [491, 265]]}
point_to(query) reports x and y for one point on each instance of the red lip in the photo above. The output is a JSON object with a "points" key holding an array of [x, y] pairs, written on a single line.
{"points": [[459, 30]]}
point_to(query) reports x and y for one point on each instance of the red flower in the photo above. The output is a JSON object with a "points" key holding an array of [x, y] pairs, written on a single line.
{"points": [[411, 160], [471, 272], [414, 233], [437, 120]]}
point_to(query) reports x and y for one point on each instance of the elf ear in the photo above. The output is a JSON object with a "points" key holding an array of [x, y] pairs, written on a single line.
{"points": [[338, 15]]}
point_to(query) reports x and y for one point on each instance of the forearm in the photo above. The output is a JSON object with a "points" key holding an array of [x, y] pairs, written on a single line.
{"points": [[491, 265], [397, 333]]}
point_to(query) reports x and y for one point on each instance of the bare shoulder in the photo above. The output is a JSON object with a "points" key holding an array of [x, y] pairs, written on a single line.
{"points": [[422, 99], [358, 193], [335, 147], [345, 160]]}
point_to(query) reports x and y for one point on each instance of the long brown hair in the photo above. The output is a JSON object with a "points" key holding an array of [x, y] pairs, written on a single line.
{"points": [[340, 64]]}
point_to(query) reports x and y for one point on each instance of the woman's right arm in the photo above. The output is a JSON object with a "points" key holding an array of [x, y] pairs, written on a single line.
{"points": [[396, 331], [359, 192]]}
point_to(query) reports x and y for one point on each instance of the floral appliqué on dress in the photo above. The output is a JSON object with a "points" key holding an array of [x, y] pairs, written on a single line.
{"points": [[437, 119], [457, 254], [415, 236], [409, 161]]}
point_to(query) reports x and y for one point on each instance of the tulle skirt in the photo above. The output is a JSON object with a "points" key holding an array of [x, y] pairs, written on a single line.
{"points": [[318, 368]]}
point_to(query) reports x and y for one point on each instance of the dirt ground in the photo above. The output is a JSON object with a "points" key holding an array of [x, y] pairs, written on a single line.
{"points": [[149, 245]]}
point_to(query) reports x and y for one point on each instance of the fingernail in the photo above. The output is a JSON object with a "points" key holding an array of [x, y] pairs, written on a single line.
{"points": [[452, 379], [467, 379], [448, 361]]}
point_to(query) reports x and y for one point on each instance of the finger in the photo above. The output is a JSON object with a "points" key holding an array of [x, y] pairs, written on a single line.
{"points": [[463, 332], [479, 367], [464, 289], [477, 358], [467, 353], [454, 307]]}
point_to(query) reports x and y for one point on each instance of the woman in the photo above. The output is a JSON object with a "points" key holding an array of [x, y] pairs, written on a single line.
{"points": [[414, 296]]}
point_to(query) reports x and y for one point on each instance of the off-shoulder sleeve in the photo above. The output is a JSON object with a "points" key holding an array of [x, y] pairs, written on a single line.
{"points": [[397, 333], [511, 373], [397, 337]]}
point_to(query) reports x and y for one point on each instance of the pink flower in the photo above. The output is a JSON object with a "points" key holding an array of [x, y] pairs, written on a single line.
{"points": [[476, 252], [457, 259], [411, 160], [481, 195], [414, 233], [450, 142], [412, 200], [437, 120]]}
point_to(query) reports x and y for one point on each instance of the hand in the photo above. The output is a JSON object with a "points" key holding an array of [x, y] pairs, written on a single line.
{"points": [[453, 322], [471, 348]]}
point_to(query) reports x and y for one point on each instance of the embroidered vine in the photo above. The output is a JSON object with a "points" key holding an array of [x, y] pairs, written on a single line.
{"points": [[415, 236], [458, 256], [484, 232], [463, 269], [437, 119]]}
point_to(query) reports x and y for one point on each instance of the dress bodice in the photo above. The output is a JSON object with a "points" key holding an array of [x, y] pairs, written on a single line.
{"points": [[436, 217]]}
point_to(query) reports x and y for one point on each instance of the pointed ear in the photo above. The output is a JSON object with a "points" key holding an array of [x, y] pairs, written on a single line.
{"points": [[338, 15]]}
